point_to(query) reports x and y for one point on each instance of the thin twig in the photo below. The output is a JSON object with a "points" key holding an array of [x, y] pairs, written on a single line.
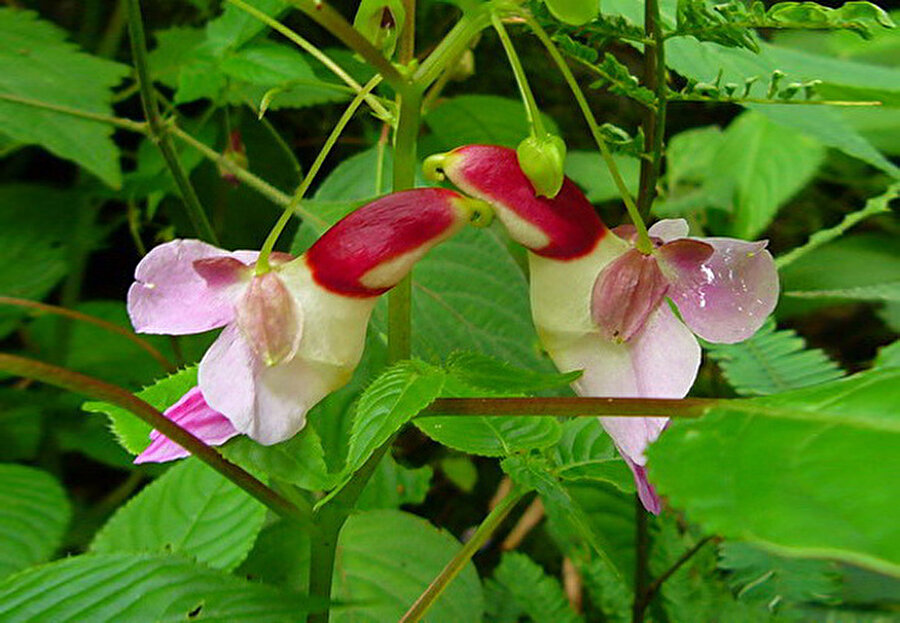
{"points": [[650, 591], [572, 407]]}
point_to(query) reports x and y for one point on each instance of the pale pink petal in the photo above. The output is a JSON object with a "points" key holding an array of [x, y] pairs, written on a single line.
{"points": [[645, 490], [193, 414], [169, 296], [267, 403], [669, 229], [626, 292], [222, 272], [726, 298], [270, 319]]}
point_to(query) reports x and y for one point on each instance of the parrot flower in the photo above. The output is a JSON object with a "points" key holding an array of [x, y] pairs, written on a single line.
{"points": [[599, 304], [293, 333]]}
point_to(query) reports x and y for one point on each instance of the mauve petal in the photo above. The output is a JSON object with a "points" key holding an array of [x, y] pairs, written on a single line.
{"points": [[669, 229], [646, 492], [169, 296], [626, 292], [193, 414], [270, 319], [728, 297]]}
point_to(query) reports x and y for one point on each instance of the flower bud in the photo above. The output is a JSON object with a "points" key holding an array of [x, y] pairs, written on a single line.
{"points": [[380, 21], [574, 12], [542, 160], [236, 153]]}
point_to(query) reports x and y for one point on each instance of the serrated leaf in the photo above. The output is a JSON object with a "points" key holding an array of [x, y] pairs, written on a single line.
{"points": [[586, 452], [758, 167], [34, 513], [535, 593], [174, 48], [786, 471], [388, 403], [490, 119], [132, 432], [111, 588], [393, 485], [39, 64], [490, 374], [191, 510], [773, 361], [235, 27], [387, 558], [758, 576]]}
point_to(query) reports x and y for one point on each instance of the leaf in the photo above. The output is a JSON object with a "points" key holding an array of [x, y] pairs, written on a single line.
{"points": [[354, 179], [483, 372], [768, 469], [38, 64], [888, 356], [190, 510], [772, 361], [575, 12], [889, 291], [387, 558], [393, 485], [21, 424], [235, 27], [34, 513], [113, 588], [400, 393], [461, 471], [468, 119], [758, 167], [587, 169], [760, 577], [586, 452], [132, 432], [619, 80], [535, 593], [174, 48]]}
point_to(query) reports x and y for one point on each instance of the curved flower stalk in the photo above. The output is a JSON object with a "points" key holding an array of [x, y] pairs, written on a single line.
{"points": [[600, 305], [294, 333]]}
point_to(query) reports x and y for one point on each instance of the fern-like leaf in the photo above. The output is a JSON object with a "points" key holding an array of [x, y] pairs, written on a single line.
{"points": [[773, 361], [521, 581]]}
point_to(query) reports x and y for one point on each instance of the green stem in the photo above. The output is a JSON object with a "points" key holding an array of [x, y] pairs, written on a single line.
{"points": [[531, 107], [654, 120], [141, 127], [332, 21], [643, 243], [158, 129], [99, 322], [98, 390], [573, 407], [315, 52], [400, 297], [452, 46], [462, 557], [262, 264]]}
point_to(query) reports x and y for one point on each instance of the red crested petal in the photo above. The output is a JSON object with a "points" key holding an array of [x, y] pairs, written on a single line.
{"points": [[169, 296], [626, 292], [369, 251], [564, 227], [727, 297], [193, 414], [270, 319]]}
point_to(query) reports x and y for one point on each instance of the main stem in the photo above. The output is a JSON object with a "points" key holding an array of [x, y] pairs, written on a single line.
{"points": [[654, 120], [158, 130]]}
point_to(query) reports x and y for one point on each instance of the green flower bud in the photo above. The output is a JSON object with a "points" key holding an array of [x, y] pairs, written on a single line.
{"points": [[380, 21], [574, 12], [542, 161]]}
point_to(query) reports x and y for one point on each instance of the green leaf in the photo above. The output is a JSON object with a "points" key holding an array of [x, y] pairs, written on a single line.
{"points": [[587, 169], [889, 291], [21, 424], [39, 64], [487, 119], [355, 180], [190, 510], [113, 588], [758, 167], [393, 485], [461, 471], [400, 393], [767, 469], [132, 432], [175, 47], [34, 513], [575, 12], [387, 558], [235, 27], [772, 361], [888, 356], [618, 79], [586, 452], [483, 372], [299, 461], [534, 592], [761, 577]]}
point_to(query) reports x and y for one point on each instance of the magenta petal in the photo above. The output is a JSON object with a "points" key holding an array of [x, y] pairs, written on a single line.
{"points": [[626, 292], [646, 492], [669, 229], [169, 296], [193, 414], [726, 298]]}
